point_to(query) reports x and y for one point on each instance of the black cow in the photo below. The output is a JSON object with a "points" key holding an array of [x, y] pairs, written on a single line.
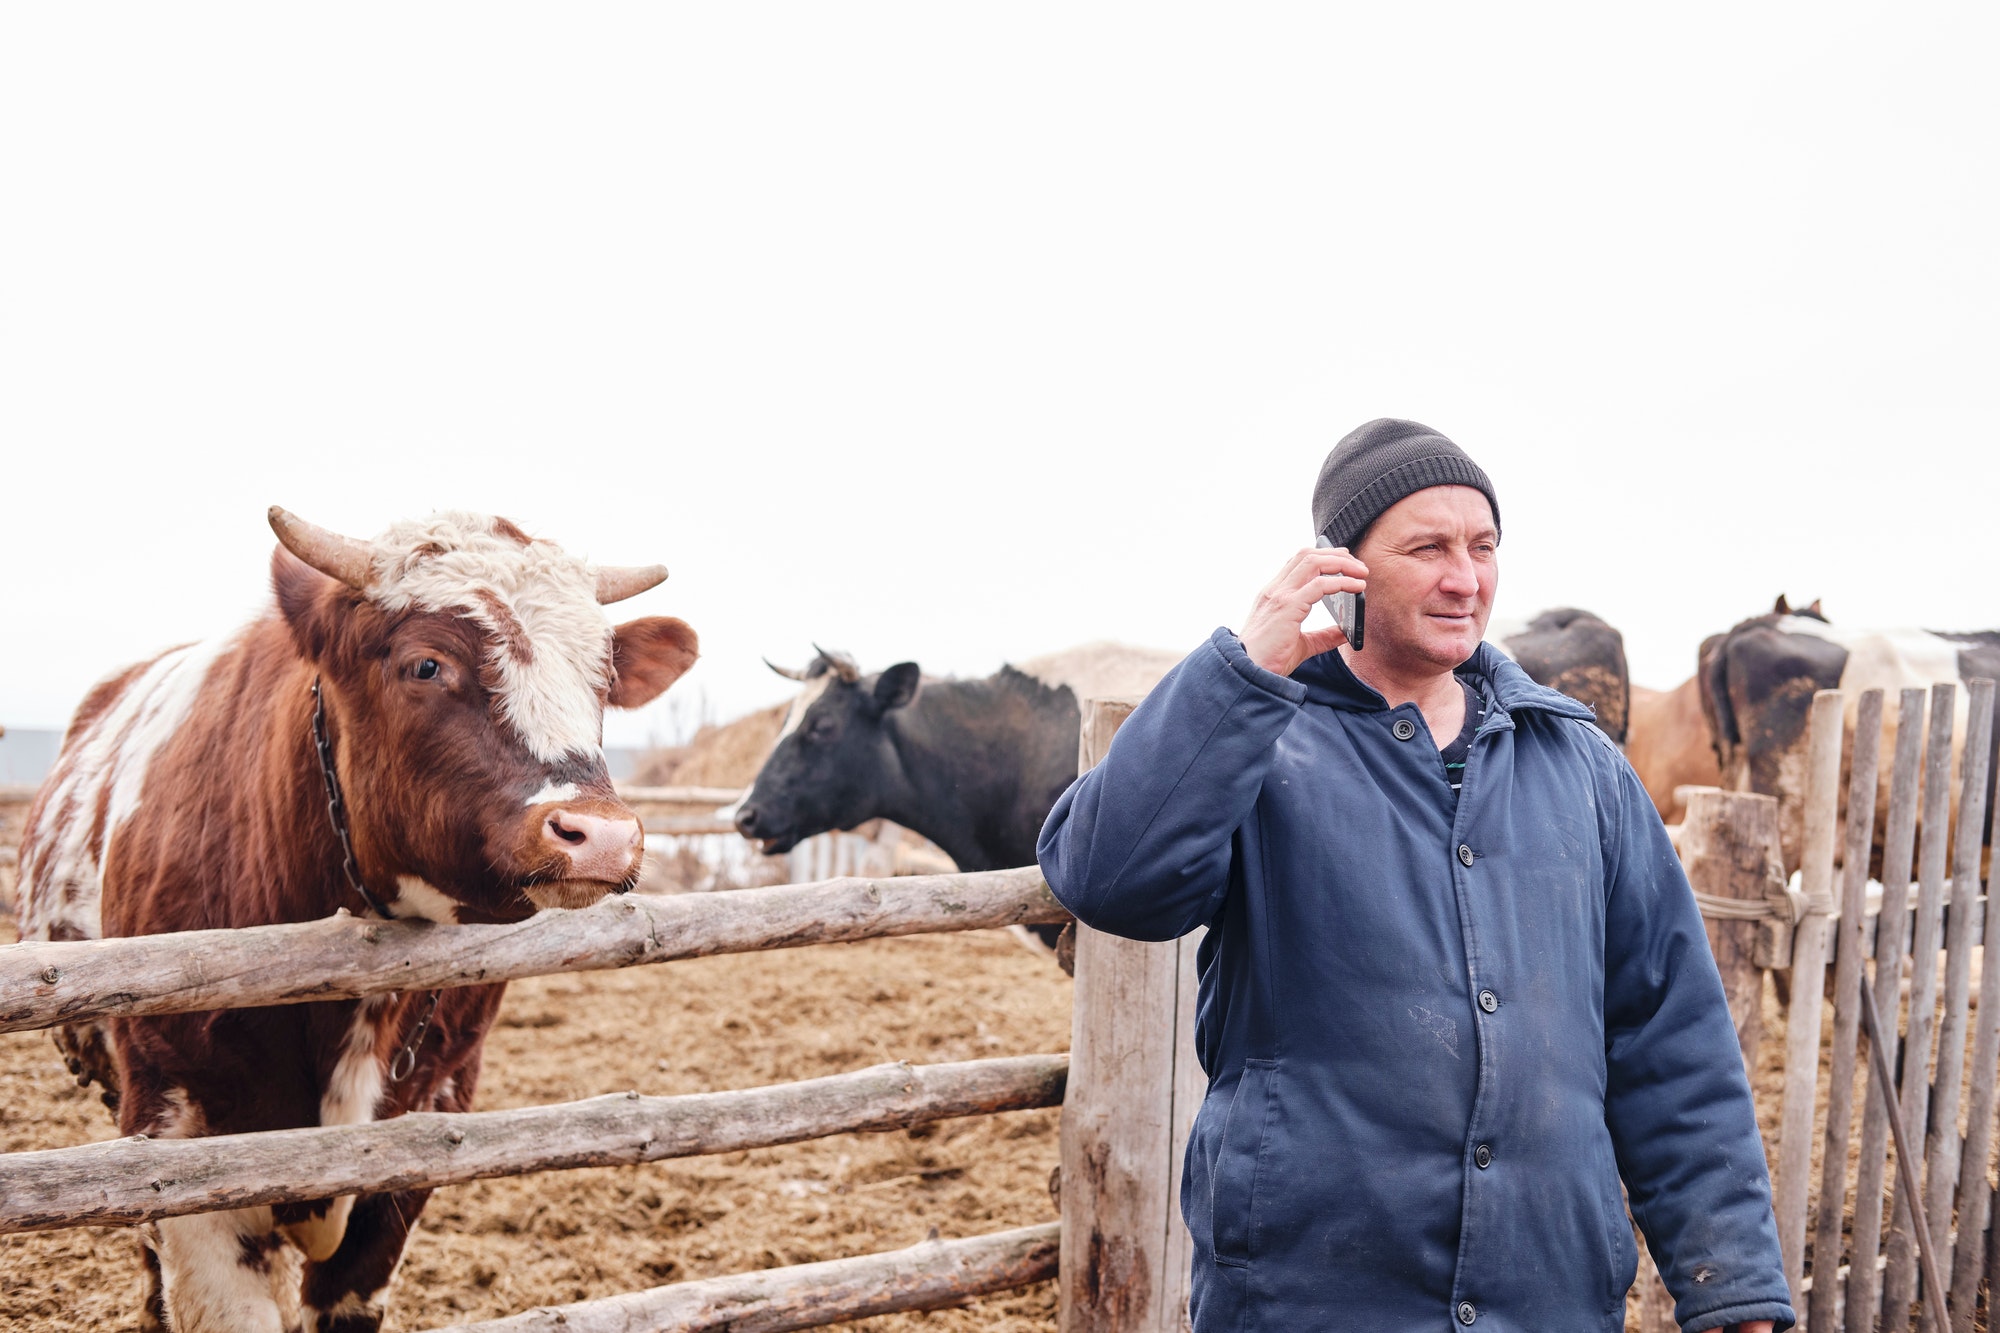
{"points": [[973, 765]]}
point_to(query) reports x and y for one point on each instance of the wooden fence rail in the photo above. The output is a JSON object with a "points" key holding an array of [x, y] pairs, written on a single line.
{"points": [[934, 1275], [344, 957], [131, 1180]]}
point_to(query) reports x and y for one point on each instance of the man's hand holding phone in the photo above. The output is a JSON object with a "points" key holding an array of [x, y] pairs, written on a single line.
{"points": [[1274, 633]]}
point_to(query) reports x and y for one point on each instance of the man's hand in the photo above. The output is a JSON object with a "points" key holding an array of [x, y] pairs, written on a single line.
{"points": [[1754, 1326], [1274, 634]]}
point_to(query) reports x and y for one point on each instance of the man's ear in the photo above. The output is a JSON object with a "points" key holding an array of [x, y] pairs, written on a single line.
{"points": [[647, 656], [302, 599], [896, 686]]}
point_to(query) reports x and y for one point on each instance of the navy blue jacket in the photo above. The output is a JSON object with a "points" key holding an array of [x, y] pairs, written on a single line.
{"points": [[1437, 1030]]}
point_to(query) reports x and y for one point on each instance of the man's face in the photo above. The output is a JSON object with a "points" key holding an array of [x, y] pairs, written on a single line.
{"points": [[1433, 568]]}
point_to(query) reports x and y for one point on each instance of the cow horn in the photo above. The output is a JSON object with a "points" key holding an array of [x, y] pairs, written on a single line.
{"points": [[331, 554], [843, 666], [786, 673], [617, 582]]}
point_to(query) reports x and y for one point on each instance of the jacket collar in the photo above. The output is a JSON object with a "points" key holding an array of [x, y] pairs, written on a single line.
{"points": [[1329, 681]]}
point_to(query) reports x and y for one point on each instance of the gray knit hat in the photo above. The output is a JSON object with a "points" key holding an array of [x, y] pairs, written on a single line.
{"points": [[1380, 463]]}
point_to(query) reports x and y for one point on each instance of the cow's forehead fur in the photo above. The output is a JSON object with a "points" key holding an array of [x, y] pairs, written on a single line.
{"points": [[802, 703], [548, 641]]}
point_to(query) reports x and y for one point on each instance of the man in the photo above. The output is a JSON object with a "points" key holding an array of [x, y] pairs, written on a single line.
{"points": [[1454, 985]]}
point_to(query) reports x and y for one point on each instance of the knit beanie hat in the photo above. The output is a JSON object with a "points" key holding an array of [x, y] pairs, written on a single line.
{"points": [[1380, 463]]}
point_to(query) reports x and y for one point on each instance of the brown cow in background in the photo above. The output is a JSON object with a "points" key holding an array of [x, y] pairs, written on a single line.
{"points": [[1668, 745], [455, 671]]}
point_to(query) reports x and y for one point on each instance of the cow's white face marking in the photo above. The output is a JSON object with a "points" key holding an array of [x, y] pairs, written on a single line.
{"points": [[207, 1284], [552, 792], [802, 705], [551, 642], [420, 900], [62, 879]]}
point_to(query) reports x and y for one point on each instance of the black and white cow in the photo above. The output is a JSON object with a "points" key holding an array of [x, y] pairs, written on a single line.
{"points": [[1758, 681]]}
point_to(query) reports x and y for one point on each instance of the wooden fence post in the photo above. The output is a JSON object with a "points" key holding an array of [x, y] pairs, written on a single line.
{"points": [[1849, 979], [1133, 1089], [1899, 841], [1899, 1281], [1729, 848], [1809, 949], [1974, 1194]]}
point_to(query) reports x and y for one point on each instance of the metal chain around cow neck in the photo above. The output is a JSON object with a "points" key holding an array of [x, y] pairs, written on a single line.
{"points": [[336, 810]]}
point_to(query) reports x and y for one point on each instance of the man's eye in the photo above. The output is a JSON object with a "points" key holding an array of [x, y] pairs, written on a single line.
{"points": [[427, 669]]}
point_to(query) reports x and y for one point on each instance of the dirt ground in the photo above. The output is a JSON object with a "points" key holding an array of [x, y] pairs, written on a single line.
{"points": [[495, 1247]]}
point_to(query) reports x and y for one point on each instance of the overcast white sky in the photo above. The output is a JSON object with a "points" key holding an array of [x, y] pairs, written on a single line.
{"points": [[964, 333]]}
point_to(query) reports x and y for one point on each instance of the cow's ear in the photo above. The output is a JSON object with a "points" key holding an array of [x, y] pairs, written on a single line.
{"points": [[302, 598], [647, 656], [896, 686]]}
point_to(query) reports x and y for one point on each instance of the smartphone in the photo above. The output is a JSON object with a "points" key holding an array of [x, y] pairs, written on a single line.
{"points": [[1348, 609]]}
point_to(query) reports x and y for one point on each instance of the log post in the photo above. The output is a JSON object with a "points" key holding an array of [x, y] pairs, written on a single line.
{"points": [[1130, 1101], [1729, 847]]}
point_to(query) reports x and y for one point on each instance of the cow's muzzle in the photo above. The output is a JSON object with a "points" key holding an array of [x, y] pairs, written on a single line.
{"points": [[589, 853], [754, 825]]}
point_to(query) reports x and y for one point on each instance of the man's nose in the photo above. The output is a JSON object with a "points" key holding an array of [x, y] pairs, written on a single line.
{"points": [[1461, 576]]}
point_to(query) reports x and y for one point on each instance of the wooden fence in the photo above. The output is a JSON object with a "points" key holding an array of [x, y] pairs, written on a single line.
{"points": [[1130, 1086], [133, 1180], [1856, 1147]]}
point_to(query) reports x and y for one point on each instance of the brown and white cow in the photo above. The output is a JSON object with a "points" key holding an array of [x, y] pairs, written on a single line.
{"points": [[465, 668]]}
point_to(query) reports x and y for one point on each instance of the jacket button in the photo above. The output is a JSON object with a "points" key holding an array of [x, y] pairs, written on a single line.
{"points": [[1403, 729], [1464, 855], [1482, 1157], [1466, 1314], [1488, 1001]]}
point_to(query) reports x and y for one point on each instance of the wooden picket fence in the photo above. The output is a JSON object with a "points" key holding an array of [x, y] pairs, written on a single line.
{"points": [[1856, 1148]]}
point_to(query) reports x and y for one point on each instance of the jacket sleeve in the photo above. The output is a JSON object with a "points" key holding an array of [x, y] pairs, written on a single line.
{"points": [[1676, 1100], [1140, 845]]}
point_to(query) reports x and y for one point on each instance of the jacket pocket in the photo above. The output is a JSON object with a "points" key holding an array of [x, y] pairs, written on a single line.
{"points": [[1233, 1200]]}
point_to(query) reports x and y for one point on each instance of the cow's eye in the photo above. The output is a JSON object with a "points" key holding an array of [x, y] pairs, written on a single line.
{"points": [[821, 728], [427, 669]]}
